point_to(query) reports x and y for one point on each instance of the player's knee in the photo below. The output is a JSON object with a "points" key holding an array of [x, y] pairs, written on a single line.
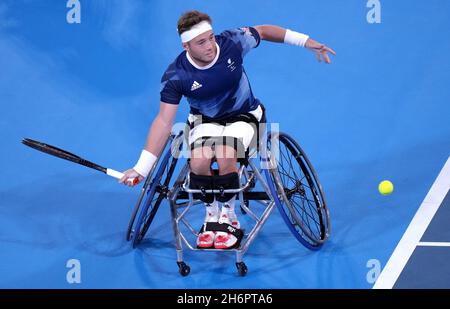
{"points": [[231, 147], [226, 159], [199, 164], [225, 152], [200, 167], [227, 166]]}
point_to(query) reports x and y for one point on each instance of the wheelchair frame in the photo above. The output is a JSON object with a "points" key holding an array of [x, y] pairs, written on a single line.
{"points": [[274, 194]]}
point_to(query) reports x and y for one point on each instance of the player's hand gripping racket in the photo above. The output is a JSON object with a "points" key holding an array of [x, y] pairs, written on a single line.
{"points": [[74, 158]]}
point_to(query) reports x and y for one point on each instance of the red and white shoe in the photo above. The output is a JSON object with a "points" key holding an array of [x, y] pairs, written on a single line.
{"points": [[226, 240], [234, 220], [206, 239]]}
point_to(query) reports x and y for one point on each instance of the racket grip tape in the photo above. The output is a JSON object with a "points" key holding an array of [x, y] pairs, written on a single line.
{"points": [[119, 175]]}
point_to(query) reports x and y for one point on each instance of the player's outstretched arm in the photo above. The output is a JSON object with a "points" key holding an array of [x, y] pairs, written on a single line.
{"points": [[278, 34]]}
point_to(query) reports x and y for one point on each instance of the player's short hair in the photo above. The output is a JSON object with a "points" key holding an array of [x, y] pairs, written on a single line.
{"points": [[191, 18]]}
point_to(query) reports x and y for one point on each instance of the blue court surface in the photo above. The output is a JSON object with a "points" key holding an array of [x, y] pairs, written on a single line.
{"points": [[379, 111]]}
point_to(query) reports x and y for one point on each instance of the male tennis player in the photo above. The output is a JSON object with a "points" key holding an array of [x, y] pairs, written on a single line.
{"points": [[210, 74]]}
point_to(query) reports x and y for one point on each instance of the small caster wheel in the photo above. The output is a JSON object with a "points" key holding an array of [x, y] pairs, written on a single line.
{"points": [[246, 203], [242, 268], [183, 269]]}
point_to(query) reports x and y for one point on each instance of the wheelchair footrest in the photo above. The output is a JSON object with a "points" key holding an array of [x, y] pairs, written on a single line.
{"points": [[226, 228]]}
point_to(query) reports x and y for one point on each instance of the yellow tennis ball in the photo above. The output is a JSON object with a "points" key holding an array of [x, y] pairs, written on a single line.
{"points": [[385, 187]]}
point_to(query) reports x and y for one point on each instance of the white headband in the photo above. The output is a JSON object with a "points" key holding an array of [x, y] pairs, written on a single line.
{"points": [[196, 30]]}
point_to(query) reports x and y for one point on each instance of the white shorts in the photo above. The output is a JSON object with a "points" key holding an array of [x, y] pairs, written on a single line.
{"points": [[239, 130]]}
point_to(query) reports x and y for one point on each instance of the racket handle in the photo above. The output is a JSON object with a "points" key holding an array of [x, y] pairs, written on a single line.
{"points": [[119, 175]]}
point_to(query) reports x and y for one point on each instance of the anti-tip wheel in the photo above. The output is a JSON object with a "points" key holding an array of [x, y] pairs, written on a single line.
{"points": [[242, 268], [183, 269]]}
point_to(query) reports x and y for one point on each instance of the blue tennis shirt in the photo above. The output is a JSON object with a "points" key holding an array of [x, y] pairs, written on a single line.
{"points": [[220, 90]]}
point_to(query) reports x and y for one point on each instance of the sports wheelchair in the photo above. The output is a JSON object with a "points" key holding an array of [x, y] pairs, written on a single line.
{"points": [[286, 180]]}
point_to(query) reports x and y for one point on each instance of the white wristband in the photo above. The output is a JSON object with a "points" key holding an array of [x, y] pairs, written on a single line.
{"points": [[295, 38], [145, 163]]}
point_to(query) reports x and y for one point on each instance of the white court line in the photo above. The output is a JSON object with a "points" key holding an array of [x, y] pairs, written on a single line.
{"points": [[433, 244], [415, 230]]}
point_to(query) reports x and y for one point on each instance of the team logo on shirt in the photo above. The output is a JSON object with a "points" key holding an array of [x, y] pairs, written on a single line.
{"points": [[231, 65], [196, 85]]}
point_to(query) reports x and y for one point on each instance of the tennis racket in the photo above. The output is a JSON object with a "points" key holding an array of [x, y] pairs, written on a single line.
{"points": [[63, 154]]}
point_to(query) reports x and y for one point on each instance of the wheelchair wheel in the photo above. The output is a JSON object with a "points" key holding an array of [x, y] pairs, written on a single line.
{"points": [[154, 191], [136, 209], [297, 191]]}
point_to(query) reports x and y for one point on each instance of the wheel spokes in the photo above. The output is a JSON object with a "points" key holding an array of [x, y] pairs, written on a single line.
{"points": [[303, 205]]}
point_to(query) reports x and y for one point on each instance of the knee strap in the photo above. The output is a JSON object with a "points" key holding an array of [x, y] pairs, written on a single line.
{"points": [[228, 181], [203, 183]]}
